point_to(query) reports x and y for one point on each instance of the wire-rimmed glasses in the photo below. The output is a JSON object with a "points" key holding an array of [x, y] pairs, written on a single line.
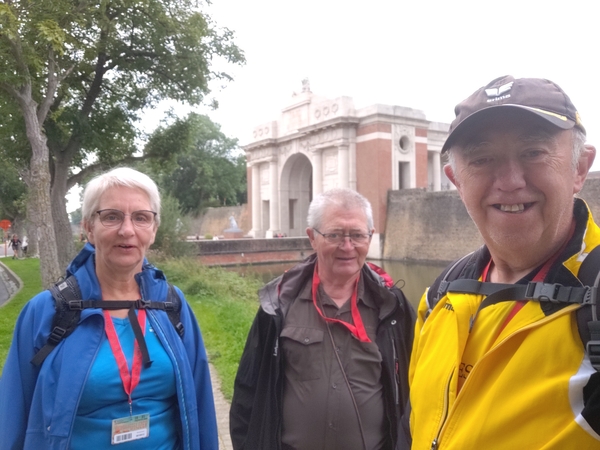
{"points": [[356, 238], [113, 218]]}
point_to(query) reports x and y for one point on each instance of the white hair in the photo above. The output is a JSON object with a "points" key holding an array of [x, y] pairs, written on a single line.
{"points": [[342, 197], [119, 177]]}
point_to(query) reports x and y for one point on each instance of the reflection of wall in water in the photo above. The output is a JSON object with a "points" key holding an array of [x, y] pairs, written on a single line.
{"points": [[412, 278]]}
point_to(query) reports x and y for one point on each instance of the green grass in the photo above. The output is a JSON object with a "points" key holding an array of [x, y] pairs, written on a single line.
{"points": [[28, 270], [224, 304]]}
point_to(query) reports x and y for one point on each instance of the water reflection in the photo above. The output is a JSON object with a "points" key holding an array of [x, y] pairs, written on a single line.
{"points": [[412, 277]]}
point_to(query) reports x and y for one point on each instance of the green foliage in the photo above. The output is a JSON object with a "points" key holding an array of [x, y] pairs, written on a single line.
{"points": [[28, 270], [92, 68], [76, 216], [224, 304], [203, 171], [12, 193], [173, 229]]}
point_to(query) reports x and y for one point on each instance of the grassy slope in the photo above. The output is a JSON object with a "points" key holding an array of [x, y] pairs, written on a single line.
{"points": [[28, 270], [224, 304]]}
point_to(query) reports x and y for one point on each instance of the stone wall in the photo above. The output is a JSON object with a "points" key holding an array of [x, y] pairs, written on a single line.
{"points": [[428, 226], [226, 252], [591, 194], [215, 220], [435, 226]]}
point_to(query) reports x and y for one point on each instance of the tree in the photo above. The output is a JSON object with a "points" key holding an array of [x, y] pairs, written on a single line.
{"points": [[74, 77], [204, 170]]}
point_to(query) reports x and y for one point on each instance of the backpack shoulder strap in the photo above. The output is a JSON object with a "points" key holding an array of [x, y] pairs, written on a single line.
{"points": [[439, 287], [65, 319], [587, 318], [173, 309], [68, 305]]}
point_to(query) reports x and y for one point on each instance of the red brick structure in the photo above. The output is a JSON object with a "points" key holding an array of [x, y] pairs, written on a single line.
{"points": [[319, 143]]}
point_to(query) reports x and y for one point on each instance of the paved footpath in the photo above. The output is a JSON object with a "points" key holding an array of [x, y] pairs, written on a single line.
{"points": [[222, 410], [9, 284]]}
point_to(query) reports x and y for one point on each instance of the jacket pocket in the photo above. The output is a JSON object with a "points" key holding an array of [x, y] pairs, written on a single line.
{"points": [[303, 352]]}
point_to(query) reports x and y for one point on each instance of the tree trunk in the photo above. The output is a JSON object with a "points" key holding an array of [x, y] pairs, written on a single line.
{"points": [[65, 245], [38, 182], [33, 247]]}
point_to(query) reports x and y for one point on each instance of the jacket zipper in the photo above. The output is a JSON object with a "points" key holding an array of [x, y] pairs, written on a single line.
{"points": [[155, 323], [396, 371], [436, 440]]}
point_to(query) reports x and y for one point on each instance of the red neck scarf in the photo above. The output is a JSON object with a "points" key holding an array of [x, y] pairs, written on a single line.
{"points": [[358, 329]]}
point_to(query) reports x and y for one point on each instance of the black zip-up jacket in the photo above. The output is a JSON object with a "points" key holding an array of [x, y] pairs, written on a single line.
{"points": [[256, 408]]}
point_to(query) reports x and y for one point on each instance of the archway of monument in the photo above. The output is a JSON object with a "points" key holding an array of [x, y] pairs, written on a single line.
{"points": [[295, 194]]}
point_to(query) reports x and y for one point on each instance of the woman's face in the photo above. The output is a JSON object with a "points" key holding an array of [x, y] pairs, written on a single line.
{"points": [[121, 249]]}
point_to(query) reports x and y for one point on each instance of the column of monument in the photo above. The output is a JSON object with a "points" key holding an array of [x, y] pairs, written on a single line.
{"points": [[274, 202], [437, 172], [343, 166], [317, 166], [256, 202]]}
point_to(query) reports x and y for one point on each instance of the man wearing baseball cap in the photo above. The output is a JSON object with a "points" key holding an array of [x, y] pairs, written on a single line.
{"points": [[498, 361]]}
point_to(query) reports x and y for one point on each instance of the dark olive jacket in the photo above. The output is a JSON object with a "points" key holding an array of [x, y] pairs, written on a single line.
{"points": [[256, 409]]}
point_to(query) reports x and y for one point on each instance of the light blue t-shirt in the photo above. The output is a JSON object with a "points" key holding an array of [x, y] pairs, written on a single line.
{"points": [[104, 398]]}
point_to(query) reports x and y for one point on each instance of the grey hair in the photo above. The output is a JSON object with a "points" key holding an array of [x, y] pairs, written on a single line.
{"points": [[579, 138], [119, 177], [342, 197]]}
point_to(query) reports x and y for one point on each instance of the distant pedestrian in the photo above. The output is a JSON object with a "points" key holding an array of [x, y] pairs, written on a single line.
{"points": [[15, 244]]}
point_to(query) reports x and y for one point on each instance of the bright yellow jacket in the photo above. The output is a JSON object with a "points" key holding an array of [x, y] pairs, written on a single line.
{"points": [[523, 385]]}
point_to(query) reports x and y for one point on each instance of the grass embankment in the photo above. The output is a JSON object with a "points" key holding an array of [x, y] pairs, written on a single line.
{"points": [[28, 270], [224, 304]]}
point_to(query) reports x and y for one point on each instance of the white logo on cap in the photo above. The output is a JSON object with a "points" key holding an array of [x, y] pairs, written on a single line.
{"points": [[497, 92]]}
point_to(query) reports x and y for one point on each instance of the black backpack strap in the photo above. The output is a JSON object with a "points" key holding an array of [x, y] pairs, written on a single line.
{"points": [[65, 319], [440, 286], [68, 305], [173, 309], [587, 317]]}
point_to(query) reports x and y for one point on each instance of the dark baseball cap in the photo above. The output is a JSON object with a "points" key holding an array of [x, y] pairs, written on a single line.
{"points": [[536, 95]]}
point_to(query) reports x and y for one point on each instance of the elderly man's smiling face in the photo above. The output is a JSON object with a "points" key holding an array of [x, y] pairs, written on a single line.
{"points": [[340, 262], [516, 178]]}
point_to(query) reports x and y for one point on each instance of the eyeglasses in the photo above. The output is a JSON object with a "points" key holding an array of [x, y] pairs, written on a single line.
{"points": [[338, 238], [113, 218]]}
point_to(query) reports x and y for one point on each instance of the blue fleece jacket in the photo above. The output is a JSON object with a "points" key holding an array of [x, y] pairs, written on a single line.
{"points": [[38, 405]]}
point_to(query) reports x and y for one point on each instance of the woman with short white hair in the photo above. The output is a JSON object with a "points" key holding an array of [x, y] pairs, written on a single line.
{"points": [[126, 375]]}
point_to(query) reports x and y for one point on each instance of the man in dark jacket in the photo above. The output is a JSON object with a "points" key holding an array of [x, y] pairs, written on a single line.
{"points": [[326, 360]]}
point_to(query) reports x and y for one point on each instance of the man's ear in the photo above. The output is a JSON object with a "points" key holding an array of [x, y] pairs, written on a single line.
{"points": [[311, 237], [450, 174], [583, 167]]}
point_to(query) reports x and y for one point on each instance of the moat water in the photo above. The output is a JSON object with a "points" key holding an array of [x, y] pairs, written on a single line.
{"points": [[412, 278]]}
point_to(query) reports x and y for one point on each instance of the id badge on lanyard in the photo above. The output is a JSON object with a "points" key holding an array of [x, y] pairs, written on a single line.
{"points": [[131, 428]]}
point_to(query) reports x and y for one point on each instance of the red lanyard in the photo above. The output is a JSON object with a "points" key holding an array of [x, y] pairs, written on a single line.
{"points": [[357, 330], [130, 381], [540, 276]]}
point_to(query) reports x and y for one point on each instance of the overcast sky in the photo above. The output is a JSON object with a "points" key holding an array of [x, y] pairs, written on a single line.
{"points": [[427, 55]]}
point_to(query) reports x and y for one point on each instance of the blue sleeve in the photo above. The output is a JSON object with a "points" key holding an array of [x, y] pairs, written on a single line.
{"points": [[19, 376], [196, 353]]}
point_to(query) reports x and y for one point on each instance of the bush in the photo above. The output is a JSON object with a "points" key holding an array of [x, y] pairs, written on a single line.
{"points": [[173, 229], [224, 304]]}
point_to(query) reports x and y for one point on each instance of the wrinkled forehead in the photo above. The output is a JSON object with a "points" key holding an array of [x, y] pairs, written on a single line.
{"points": [[339, 217], [521, 127]]}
